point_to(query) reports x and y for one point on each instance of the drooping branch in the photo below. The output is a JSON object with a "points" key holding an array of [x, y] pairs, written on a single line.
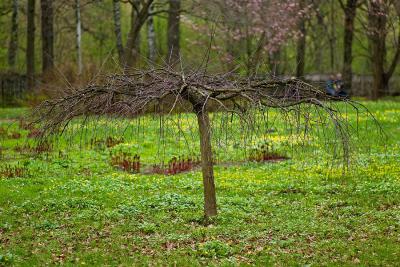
{"points": [[132, 95]]}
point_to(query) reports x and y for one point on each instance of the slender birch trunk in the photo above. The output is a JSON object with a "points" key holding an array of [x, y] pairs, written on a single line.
{"points": [[78, 35]]}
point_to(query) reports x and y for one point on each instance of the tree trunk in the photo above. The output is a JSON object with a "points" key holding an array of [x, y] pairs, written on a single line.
{"points": [[173, 31], [13, 48], [151, 38], [30, 49], [139, 16], [47, 35], [117, 29], [301, 45], [210, 199], [332, 37], [78, 35], [377, 39], [378, 17], [349, 17]]}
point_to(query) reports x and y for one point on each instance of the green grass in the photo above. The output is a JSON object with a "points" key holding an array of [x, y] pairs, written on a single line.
{"points": [[76, 209]]}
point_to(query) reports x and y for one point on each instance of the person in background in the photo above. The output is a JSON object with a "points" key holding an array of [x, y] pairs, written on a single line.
{"points": [[339, 86], [330, 86]]}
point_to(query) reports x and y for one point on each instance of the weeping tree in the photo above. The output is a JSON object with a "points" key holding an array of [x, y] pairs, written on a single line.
{"points": [[136, 94]]}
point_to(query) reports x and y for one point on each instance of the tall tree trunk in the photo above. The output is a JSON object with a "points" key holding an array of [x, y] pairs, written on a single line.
{"points": [[30, 47], [13, 47], [210, 199], [377, 38], [173, 31], [140, 13], [78, 35], [378, 14], [332, 37], [151, 37], [198, 102], [47, 35], [131, 50], [301, 45], [117, 29], [349, 17]]}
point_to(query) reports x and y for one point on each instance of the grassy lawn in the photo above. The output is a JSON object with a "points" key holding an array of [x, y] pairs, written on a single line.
{"points": [[72, 207]]}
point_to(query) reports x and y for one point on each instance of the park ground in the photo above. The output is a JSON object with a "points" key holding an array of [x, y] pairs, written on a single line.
{"points": [[70, 206]]}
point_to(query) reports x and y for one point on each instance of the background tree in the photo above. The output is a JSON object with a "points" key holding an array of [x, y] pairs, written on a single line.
{"points": [[47, 35], [78, 35], [249, 37], [350, 9], [301, 42], [381, 16], [173, 31], [332, 34], [139, 16], [13, 47], [151, 37], [117, 29], [30, 49]]}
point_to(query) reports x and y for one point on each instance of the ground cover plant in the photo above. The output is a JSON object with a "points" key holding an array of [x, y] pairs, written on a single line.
{"points": [[71, 205]]}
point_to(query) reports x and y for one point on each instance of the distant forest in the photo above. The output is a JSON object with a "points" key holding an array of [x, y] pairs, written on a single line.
{"points": [[78, 38]]}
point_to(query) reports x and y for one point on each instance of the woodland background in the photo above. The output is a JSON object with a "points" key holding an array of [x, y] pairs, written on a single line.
{"points": [[71, 41]]}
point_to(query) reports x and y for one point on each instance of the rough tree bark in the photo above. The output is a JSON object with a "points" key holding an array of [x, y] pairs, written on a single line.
{"points": [[151, 37], [47, 35], [173, 31], [301, 45], [199, 103], [13, 46], [117, 29], [30, 49], [350, 10], [210, 199], [78, 35]]}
